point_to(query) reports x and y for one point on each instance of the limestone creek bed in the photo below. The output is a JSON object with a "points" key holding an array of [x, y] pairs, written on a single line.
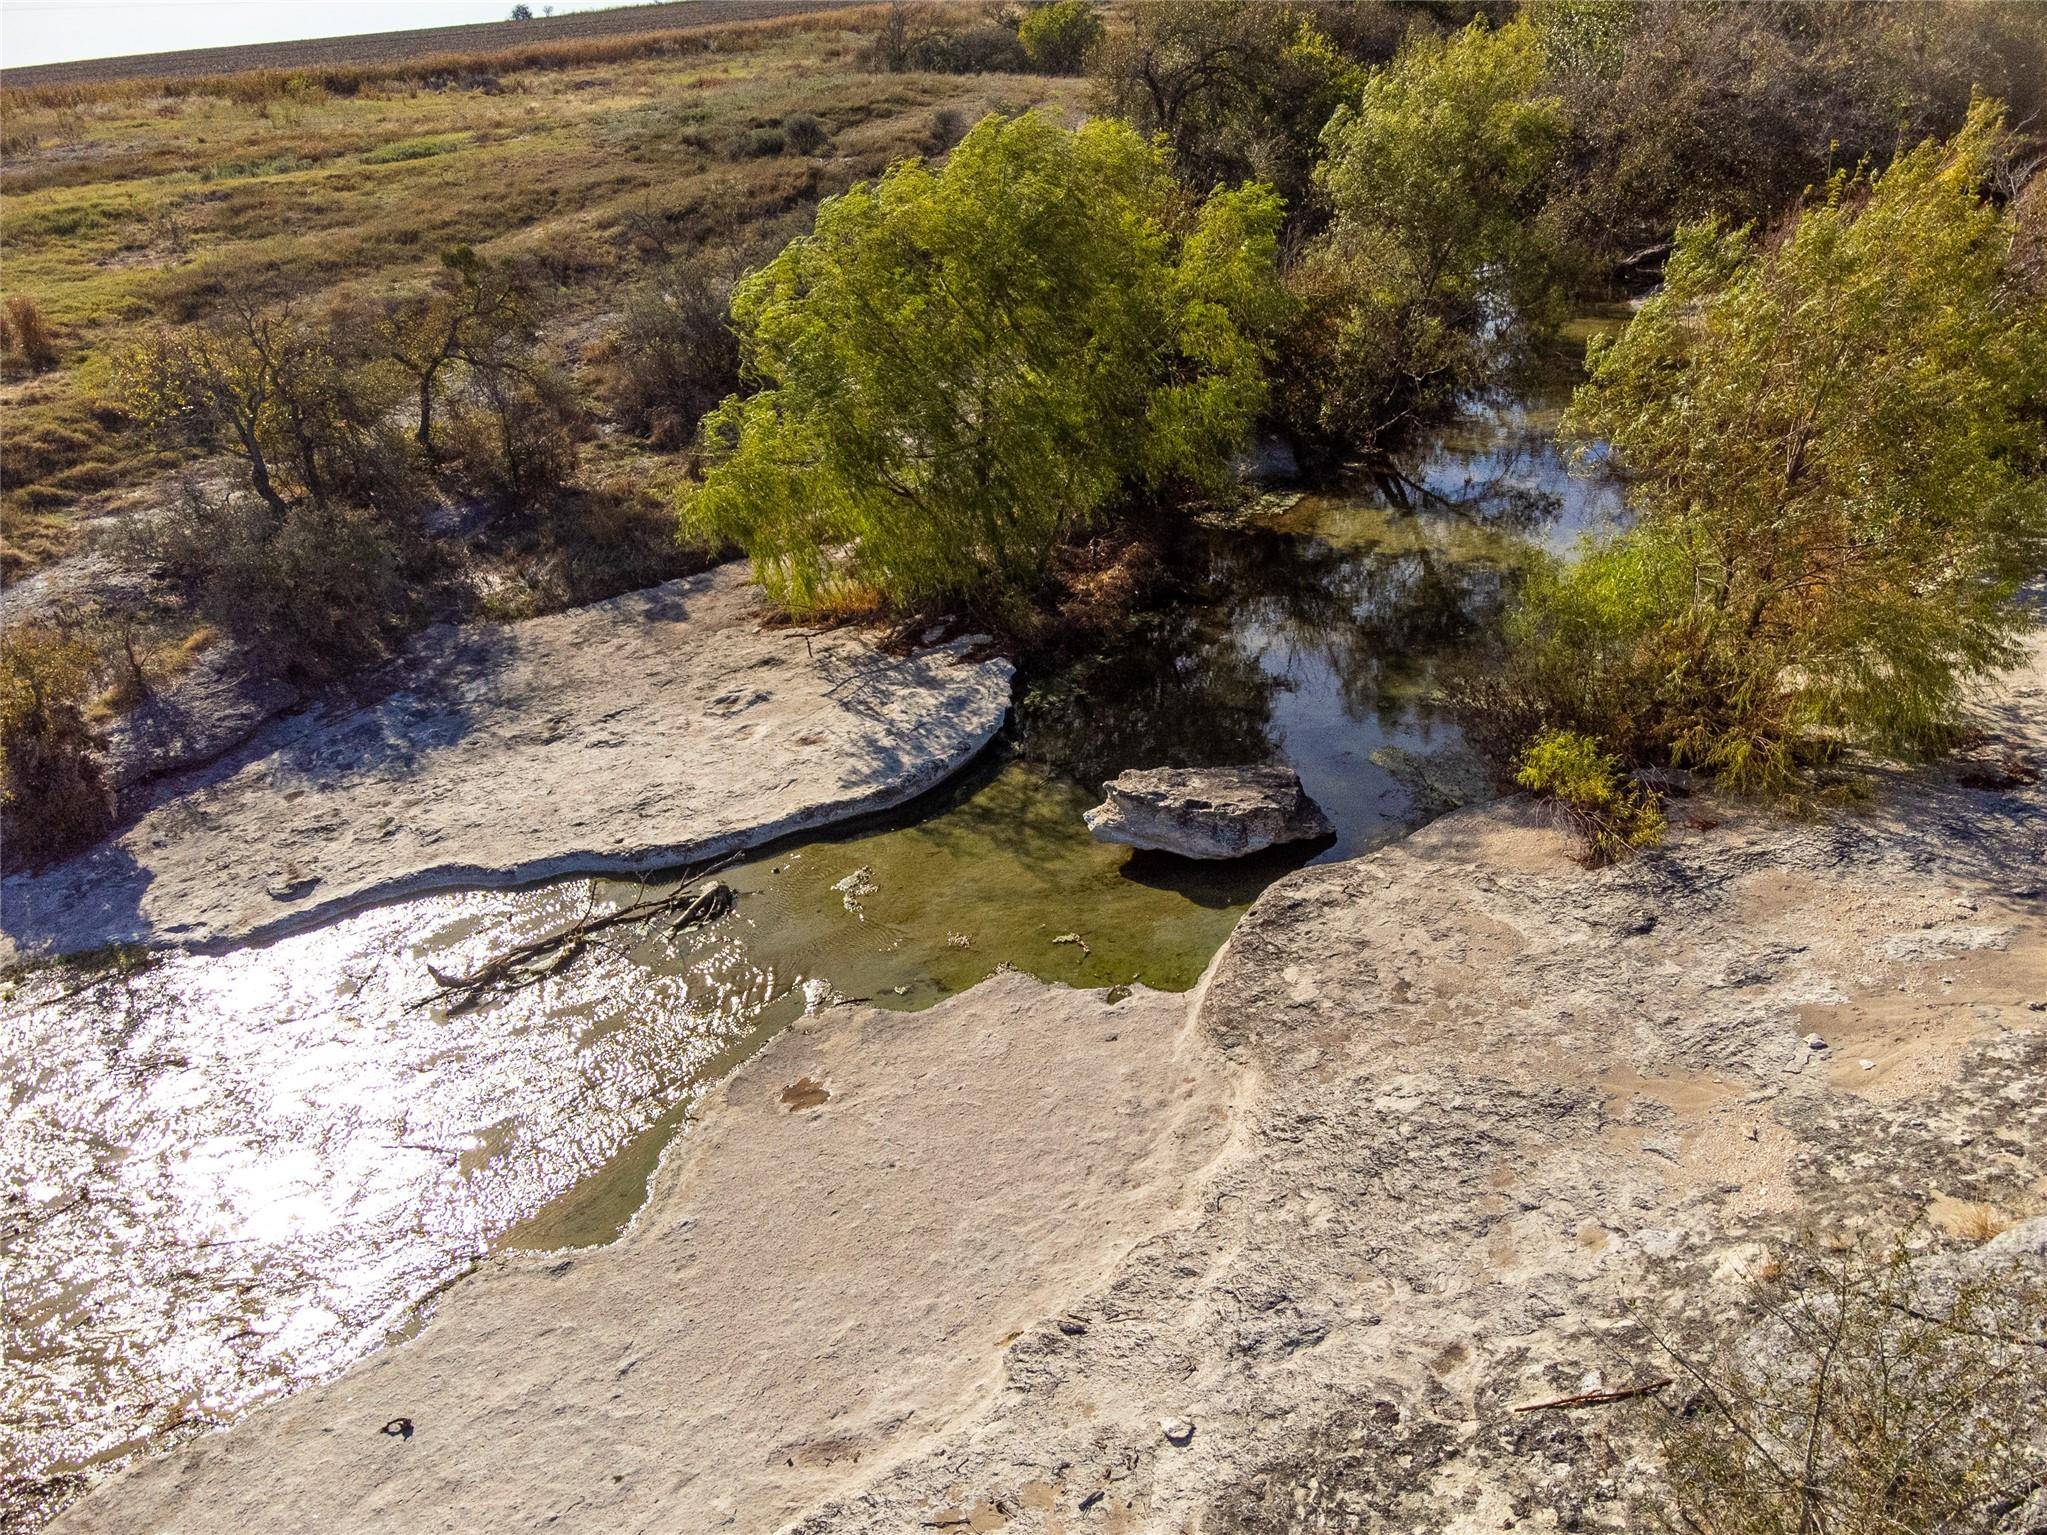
{"points": [[239, 1171]]}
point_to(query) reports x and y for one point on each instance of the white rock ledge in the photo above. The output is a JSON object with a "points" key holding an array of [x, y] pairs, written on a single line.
{"points": [[666, 726]]}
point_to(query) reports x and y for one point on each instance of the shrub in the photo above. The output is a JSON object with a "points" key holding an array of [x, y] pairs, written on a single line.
{"points": [[1613, 814], [310, 594], [921, 37], [54, 797], [28, 334], [765, 141], [517, 435], [948, 127], [1058, 36], [804, 133], [1238, 91], [1833, 453], [674, 356], [591, 544], [282, 389], [1680, 112], [475, 314], [1882, 1391], [1580, 648], [1436, 273], [961, 368], [987, 48], [902, 26]]}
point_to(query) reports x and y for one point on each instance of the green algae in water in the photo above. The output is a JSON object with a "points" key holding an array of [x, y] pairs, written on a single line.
{"points": [[995, 870], [996, 875]]}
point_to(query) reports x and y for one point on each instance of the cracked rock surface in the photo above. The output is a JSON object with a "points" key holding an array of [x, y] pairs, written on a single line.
{"points": [[652, 729], [1279, 1257]]}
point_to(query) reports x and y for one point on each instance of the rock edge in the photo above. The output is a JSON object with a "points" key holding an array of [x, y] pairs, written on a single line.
{"points": [[663, 727]]}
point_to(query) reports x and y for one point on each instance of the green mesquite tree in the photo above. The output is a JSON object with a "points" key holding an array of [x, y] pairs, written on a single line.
{"points": [[1833, 446], [1437, 266], [963, 367]]}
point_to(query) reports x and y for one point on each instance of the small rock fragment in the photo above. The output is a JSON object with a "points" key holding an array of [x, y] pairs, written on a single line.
{"points": [[1176, 1430], [1867, 1064], [289, 883], [1208, 812], [855, 885], [1814, 1042]]}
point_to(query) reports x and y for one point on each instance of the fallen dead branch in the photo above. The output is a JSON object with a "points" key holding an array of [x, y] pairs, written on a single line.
{"points": [[533, 961], [1597, 1398]]}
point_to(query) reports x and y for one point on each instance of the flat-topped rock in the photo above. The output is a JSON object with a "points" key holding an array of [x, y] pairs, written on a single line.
{"points": [[1208, 812], [833, 1266], [658, 728]]}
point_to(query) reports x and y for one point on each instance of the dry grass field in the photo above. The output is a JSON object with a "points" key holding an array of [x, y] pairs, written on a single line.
{"points": [[369, 50], [127, 205]]}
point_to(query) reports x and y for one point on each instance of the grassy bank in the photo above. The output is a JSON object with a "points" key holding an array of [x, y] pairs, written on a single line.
{"points": [[133, 204]]}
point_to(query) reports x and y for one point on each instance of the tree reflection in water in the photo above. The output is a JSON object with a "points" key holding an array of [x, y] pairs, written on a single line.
{"points": [[1312, 634]]}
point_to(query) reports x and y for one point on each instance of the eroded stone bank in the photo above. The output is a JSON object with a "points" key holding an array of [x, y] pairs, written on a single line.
{"points": [[1279, 1255], [247, 1166], [1045, 1219]]}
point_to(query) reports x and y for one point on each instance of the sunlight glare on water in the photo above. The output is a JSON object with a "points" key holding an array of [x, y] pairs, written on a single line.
{"points": [[238, 1172]]}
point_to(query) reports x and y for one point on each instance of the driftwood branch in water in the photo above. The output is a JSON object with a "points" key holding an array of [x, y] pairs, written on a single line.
{"points": [[1598, 1398], [528, 963]]}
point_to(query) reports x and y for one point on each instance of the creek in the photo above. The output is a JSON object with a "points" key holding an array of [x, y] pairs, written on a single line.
{"points": [[239, 1172]]}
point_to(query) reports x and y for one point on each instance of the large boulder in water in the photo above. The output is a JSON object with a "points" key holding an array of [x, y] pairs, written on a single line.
{"points": [[1208, 812]]}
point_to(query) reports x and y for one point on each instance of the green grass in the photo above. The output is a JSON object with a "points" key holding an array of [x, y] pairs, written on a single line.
{"points": [[235, 170], [138, 208], [411, 149]]}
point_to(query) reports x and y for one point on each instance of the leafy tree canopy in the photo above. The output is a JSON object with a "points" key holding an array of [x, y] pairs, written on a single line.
{"points": [[1679, 112], [1436, 266], [1834, 446], [962, 367], [1059, 35], [1237, 91]]}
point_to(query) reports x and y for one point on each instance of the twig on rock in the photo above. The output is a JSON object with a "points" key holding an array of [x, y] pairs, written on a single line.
{"points": [[1598, 1398]]}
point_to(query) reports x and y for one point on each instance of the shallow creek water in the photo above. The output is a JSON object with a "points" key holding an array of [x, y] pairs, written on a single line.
{"points": [[238, 1172]]}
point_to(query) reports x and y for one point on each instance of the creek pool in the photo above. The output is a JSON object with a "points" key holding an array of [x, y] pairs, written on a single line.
{"points": [[239, 1172]]}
